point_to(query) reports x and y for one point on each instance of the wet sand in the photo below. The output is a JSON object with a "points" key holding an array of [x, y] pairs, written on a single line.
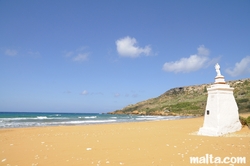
{"points": [[159, 143]]}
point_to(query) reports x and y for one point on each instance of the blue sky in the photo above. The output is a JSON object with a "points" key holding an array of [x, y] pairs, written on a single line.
{"points": [[99, 56]]}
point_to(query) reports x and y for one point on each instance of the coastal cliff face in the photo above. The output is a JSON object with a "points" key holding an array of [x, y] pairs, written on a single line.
{"points": [[188, 100]]}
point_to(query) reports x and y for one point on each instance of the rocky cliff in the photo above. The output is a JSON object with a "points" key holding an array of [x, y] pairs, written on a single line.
{"points": [[188, 100]]}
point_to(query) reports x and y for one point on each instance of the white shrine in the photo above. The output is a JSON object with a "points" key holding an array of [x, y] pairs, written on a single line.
{"points": [[221, 114]]}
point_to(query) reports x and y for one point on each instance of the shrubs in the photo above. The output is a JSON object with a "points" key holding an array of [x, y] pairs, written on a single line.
{"points": [[242, 100], [248, 121], [245, 121]]}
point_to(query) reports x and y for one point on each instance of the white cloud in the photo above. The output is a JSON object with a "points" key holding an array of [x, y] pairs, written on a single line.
{"points": [[192, 63], [240, 68], [202, 51], [11, 52], [85, 92], [79, 55], [127, 47]]}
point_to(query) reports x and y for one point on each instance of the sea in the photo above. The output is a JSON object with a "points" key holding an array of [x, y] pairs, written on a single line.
{"points": [[37, 119]]}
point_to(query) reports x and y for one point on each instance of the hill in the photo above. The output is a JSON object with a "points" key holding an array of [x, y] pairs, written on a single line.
{"points": [[187, 100]]}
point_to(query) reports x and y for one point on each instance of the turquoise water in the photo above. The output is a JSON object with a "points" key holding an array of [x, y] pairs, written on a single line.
{"points": [[34, 119]]}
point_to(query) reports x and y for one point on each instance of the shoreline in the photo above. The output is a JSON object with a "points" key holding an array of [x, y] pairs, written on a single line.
{"points": [[9, 120], [162, 142], [90, 124]]}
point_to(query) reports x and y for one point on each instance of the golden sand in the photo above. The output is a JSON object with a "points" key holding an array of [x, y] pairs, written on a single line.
{"points": [[159, 143]]}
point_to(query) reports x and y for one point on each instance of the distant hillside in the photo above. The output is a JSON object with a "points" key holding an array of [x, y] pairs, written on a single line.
{"points": [[188, 100]]}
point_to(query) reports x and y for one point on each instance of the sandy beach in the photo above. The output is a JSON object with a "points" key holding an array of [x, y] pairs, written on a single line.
{"points": [[158, 143]]}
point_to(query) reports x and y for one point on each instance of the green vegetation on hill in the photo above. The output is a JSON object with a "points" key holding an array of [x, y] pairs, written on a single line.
{"points": [[188, 100]]}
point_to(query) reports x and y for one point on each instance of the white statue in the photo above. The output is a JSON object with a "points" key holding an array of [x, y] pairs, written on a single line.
{"points": [[217, 68]]}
